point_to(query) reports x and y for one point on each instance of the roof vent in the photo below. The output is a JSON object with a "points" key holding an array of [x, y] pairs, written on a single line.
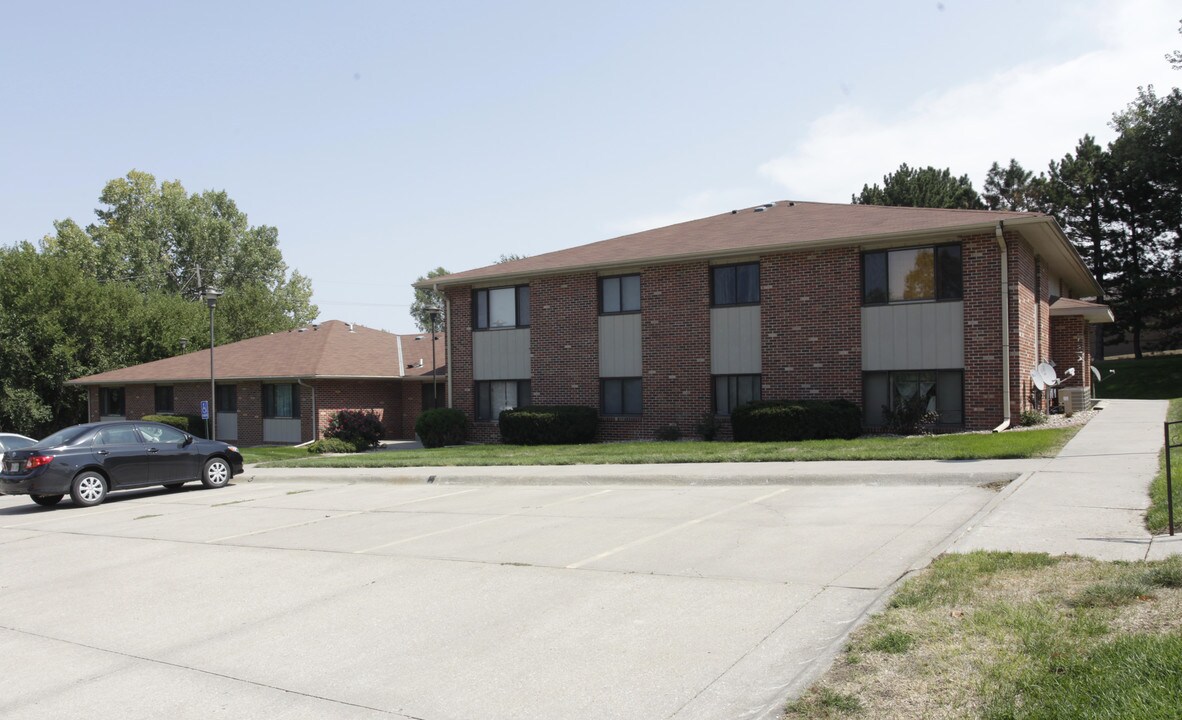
{"points": [[418, 337], [734, 212], [351, 328], [765, 207], [315, 326]]}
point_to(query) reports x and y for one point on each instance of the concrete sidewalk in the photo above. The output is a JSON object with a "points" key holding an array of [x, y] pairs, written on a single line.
{"points": [[1091, 499]]}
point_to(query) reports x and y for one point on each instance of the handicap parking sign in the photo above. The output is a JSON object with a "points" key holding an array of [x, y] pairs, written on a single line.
{"points": [[204, 409]]}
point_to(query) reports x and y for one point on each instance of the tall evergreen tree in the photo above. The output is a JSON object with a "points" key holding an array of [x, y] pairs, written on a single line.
{"points": [[921, 187]]}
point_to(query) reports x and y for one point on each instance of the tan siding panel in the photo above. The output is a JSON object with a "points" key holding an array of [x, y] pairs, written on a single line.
{"points": [[734, 340], [619, 345], [920, 336], [501, 355]]}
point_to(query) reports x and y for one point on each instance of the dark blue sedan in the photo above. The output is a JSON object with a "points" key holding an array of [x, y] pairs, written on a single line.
{"points": [[88, 461]]}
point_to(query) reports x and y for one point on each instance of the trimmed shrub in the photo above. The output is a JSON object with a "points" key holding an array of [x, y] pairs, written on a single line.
{"points": [[708, 426], [441, 426], [791, 420], [549, 425], [1032, 417], [910, 417], [192, 424], [668, 433], [332, 445], [362, 428]]}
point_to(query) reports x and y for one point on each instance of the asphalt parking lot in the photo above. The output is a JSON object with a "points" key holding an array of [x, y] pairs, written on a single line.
{"points": [[447, 602]]}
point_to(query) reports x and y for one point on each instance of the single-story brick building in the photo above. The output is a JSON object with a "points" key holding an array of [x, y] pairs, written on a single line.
{"points": [[284, 387], [788, 300]]}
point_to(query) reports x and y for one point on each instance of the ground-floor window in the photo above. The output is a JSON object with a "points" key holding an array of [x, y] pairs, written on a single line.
{"points": [[111, 401], [281, 401], [493, 396], [163, 399], [620, 396], [943, 390], [731, 391], [227, 398]]}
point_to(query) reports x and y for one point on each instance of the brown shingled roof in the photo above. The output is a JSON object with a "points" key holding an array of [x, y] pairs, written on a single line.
{"points": [[784, 225], [327, 350]]}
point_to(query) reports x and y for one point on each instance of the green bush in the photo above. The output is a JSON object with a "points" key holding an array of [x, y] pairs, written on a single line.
{"points": [[668, 433], [1032, 417], [441, 426], [708, 426], [362, 428], [549, 425], [192, 424], [332, 445], [910, 417], [791, 420]]}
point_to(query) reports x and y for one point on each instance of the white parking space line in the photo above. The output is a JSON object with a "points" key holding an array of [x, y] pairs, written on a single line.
{"points": [[424, 499], [675, 528], [477, 522], [283, 527]]}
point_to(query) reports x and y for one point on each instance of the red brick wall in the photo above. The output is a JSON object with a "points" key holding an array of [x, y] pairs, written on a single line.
{"points": [[811, 321], [1071, 347], [459, 362], [982, 332], [564, 340], [1023, 325]]}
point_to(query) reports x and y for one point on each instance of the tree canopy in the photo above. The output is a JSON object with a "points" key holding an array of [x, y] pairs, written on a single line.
{"points": [[428, 298], [921, 187], [122, 291]]}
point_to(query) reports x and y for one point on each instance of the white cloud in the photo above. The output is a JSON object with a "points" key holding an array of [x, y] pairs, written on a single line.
{"points": [[1032, 112]]}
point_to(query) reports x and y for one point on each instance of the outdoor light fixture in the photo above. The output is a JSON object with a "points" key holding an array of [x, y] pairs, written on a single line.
{"points": [[210, 295], [433, 312]]}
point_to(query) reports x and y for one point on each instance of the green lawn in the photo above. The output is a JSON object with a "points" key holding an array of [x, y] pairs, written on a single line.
{"points": [[1157, 517], [1150, 378], [1024, 444], [1014, 635], [265, 453]]}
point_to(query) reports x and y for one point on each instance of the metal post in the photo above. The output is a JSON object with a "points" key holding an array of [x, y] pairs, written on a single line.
{"points": [[1169, 478], [210, 295], [433, 313]]}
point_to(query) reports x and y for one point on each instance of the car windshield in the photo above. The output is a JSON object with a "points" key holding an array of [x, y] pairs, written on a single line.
{"points": [[61, 437]]}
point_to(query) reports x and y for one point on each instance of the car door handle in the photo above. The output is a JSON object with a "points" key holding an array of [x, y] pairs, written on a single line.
{"points": [[103, 452], [152, 450]]}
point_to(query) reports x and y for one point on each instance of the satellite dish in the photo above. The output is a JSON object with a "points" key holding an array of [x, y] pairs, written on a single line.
{"points": [[1047, 371], [1069, 374], [1036, 378], [1096, 373]]}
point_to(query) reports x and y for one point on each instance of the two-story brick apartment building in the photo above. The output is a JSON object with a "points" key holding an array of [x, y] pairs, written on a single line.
{"points": [[787, 300], [284, 387]]}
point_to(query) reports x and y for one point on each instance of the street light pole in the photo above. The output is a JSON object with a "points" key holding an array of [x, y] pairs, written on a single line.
{"points": [[210, 295], [433, 311]]}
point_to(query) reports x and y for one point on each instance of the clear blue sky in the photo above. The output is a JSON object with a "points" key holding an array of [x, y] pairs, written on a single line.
{"points": [[384, 139]]}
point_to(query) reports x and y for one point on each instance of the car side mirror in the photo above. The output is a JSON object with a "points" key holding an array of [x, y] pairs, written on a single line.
{"points": [[188, 441]]}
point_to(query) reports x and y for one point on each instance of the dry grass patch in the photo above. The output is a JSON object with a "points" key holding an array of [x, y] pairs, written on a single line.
{"points": [[1015, 635]]}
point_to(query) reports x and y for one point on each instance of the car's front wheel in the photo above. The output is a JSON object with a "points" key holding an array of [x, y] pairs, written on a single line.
{"points": [[47, 500], [217, 473], [89, 488]]}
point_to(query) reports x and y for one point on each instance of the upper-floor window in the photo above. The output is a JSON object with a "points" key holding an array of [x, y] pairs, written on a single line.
{"points": [[111, 401], [163, 398], [912, 274], [619, 294], [496, 308], [734, 284]]}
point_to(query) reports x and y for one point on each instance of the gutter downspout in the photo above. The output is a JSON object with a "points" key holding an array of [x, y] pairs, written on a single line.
{"points": [[315, 417], [1005, 326]]}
